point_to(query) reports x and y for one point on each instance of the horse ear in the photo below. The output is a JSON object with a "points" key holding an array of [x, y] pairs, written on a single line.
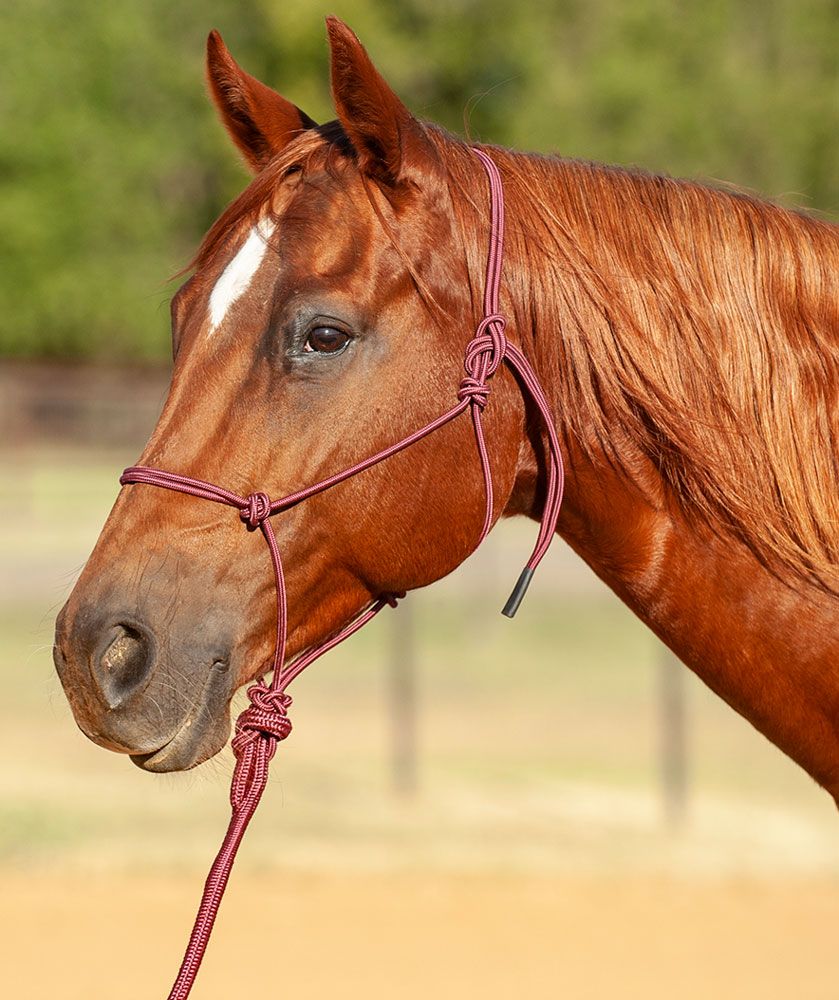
{"points": [[384, 133], [259, 120]]}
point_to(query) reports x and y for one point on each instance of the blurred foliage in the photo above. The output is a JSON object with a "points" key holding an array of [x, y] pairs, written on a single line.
{"points": [[112, 164]]}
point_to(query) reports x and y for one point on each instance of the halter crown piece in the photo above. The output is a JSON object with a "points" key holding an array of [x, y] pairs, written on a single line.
{"points": [[265, 721]]}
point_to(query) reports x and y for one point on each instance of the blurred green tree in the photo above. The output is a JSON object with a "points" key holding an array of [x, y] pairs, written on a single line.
{"points": [[112, 164]]}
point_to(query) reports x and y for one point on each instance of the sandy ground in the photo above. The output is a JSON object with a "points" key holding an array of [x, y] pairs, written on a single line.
{"points": [[416, 936]]}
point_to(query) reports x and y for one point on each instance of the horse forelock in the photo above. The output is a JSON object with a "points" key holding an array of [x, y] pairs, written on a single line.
{"points": [[314, 149]]}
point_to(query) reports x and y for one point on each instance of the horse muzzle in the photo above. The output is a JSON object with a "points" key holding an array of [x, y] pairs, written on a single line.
{"points": [[131, 692]]}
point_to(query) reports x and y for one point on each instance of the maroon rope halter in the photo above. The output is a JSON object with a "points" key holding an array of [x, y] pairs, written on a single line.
{"points": [[265, 722]]}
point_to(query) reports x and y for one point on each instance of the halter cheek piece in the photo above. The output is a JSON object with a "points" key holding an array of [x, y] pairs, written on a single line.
{"points": [[265, 721]]}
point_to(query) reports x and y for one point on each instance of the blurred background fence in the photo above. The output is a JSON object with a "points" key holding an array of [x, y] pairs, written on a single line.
{"points": [[446, 743]]}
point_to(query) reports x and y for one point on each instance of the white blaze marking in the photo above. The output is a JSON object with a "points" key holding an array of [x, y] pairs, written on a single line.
{"points": [[238, 274]]}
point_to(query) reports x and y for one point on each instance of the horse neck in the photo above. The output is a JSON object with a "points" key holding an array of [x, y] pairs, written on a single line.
{"points": [[764, 644], [767, 649]]}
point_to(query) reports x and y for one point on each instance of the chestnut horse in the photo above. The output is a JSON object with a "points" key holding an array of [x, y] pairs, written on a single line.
{"points": [[687, 341]]}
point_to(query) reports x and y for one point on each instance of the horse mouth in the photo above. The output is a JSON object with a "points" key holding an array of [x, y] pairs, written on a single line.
{"points": [[201, 735], [182, 752]]}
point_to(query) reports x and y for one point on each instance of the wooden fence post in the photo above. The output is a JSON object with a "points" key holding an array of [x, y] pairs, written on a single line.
{"points": [[403, 701], [673, 739]]}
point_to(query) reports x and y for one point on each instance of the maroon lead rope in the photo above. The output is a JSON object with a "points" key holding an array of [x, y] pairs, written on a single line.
{"points": [[265, 722]]}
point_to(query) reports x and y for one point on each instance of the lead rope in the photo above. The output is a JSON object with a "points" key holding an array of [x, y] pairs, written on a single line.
{"points": [[264, 723]]}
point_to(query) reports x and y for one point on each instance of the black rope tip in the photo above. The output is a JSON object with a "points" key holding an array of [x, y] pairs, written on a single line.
{"points": [[517, 596]]}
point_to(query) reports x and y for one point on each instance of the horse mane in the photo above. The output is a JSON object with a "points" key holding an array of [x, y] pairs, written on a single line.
{"points": [[313, 148], [699, 326]]}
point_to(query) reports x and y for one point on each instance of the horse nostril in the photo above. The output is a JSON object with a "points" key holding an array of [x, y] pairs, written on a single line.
{"points": [[124, 665]]}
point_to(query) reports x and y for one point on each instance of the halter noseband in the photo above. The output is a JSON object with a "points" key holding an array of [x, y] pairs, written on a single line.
{"points": [[265, 722]]}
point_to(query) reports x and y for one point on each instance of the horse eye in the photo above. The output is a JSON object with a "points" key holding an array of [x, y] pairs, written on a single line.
{"points": [[326, 340]]}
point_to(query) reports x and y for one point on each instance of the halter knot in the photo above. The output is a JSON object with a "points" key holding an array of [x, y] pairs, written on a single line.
{"points": [[484, 353], [265, 716], [257, 510]]}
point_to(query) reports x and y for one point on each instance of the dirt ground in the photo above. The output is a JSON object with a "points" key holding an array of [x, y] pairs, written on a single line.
{"points": [[414, 936]]}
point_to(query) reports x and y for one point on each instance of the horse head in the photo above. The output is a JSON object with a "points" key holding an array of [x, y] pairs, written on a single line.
{"points": [[326, 317]]}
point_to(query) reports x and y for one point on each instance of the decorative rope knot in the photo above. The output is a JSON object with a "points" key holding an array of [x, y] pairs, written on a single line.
{"points": [[473, 390], [257, 510], [484, 353], [265, 716]]}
